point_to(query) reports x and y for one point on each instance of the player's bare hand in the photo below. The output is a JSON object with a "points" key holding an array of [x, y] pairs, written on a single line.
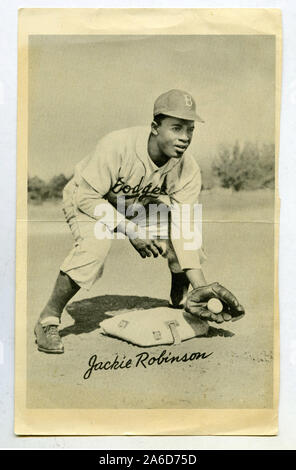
{"points": [[146, 248], [199, 303]]}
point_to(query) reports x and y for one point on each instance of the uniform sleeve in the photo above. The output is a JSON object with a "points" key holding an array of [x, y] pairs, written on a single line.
{"points": [[190, 189], [102, 169], [98, 177], [89, 202], [186, 220]]}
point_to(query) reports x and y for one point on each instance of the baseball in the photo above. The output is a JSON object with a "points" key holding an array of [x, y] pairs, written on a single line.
{"points": [[215, 306]]}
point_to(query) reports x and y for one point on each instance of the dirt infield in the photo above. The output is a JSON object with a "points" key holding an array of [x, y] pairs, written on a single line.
{"points": [[238, 238]]}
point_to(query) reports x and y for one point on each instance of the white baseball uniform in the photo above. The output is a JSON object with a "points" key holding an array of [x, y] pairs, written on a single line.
{"points": [[120, 169]]}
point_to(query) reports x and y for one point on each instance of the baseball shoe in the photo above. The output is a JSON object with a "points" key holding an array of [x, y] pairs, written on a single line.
{"points": [[179, 290], [48, 338]]}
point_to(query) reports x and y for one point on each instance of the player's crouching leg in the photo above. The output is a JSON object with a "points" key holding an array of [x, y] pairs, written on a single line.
{"points": [[82, 267], [179, 280], [46, 328]]}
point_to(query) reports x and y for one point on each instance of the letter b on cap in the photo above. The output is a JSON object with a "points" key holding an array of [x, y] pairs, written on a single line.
{"points": [[188, 100]]}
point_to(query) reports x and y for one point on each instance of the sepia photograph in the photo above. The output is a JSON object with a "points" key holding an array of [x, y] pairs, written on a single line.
{"points": [[148, 218]]}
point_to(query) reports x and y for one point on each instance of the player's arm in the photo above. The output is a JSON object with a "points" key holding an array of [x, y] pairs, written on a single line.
{"points": [[202, 293], [187, 195], [91, 202], [98, 178], [196, 277]]}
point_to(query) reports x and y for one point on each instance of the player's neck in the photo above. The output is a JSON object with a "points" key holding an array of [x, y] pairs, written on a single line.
{"points": [[158, 158]]}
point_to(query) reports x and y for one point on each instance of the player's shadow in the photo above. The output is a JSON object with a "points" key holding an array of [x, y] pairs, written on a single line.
{"points": [[88, 313], [219, 332]]}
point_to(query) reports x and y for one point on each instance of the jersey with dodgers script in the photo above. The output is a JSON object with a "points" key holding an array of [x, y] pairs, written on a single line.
{"points": [[120, 167]]}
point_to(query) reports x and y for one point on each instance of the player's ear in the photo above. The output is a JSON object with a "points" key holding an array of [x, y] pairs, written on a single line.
{"points": [[154, 128]]}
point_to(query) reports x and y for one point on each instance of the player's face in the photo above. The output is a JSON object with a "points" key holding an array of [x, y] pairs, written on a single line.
{"points": [[174, 136]]}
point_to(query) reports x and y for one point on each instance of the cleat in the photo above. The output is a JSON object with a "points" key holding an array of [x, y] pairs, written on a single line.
{"points": [[48, 338]]}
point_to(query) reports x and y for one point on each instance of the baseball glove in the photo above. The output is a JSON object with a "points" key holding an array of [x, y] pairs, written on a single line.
{"points": [[197, 303]]}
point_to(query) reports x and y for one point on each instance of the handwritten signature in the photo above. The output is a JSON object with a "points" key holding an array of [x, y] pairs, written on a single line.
{"points": [[143, 359]]}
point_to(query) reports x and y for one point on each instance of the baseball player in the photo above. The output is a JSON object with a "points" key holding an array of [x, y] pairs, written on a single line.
{"points": [[133, 169]]}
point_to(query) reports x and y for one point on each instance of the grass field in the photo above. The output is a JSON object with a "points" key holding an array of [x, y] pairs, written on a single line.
{"points": [[238, 234]]}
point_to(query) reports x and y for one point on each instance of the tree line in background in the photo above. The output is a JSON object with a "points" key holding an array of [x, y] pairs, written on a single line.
{"points": [[39, 190], [249, 167], [238, 168]]}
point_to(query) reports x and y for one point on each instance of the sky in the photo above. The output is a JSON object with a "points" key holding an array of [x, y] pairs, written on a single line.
{"points": [[82, 87]]}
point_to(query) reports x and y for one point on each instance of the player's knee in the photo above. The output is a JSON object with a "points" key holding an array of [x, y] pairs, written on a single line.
{"points": [[97, 248]]}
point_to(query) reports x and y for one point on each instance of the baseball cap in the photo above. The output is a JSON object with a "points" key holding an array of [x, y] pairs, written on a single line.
{"points": [[177, 103]]}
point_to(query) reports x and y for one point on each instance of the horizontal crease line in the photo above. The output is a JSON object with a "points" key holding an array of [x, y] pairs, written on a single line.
{"points": [[240, 221], [203, 221]]}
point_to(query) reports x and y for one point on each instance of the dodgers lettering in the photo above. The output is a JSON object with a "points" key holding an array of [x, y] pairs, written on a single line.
{"points": [[138, 190]]}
